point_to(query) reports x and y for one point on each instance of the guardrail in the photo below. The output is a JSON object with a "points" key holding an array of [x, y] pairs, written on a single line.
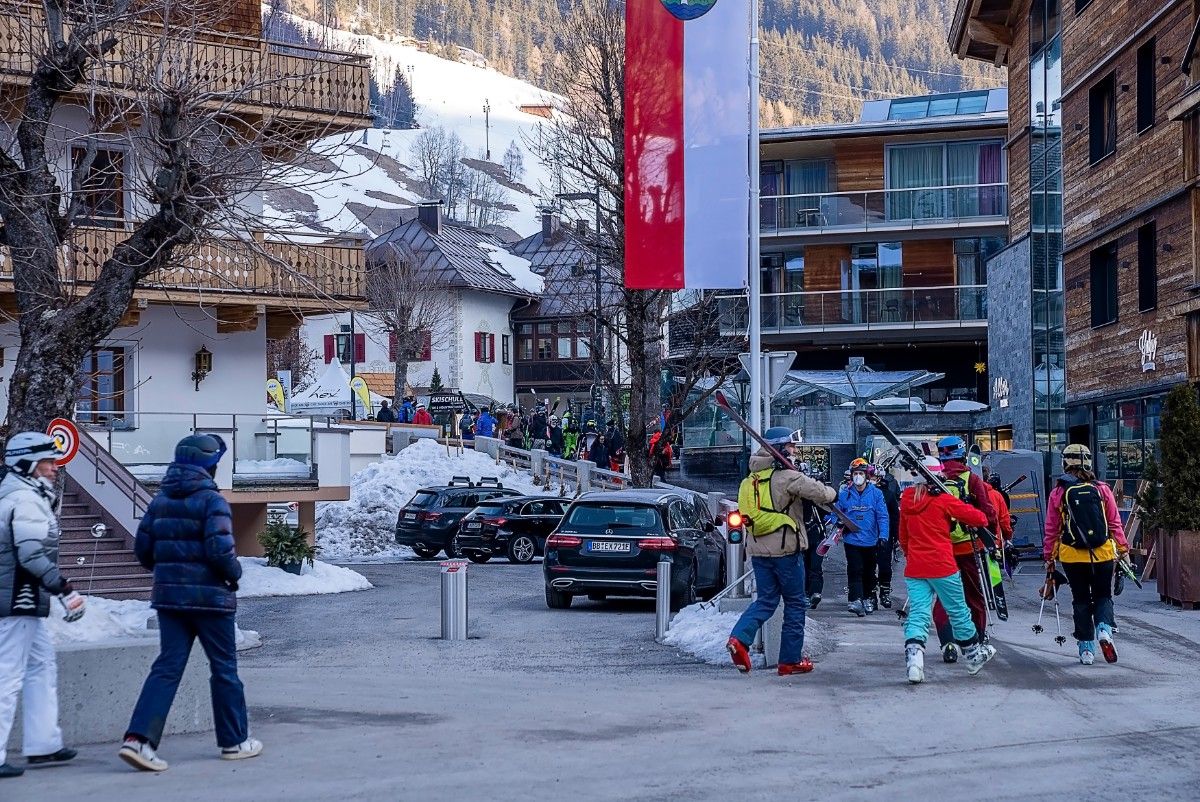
{"points": [[884, 208], [569, 477]]}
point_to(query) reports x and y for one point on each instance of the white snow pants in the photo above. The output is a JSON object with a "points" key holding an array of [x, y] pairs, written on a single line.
{"points": [[27, 659]]}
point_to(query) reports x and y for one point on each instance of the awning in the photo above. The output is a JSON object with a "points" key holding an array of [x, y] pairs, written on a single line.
{"points": [[859, 385]]}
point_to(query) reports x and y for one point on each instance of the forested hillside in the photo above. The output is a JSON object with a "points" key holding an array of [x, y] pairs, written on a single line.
{"points": [[820, 58]]}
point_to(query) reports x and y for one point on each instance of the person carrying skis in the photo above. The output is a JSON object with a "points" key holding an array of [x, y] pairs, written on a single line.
{"points": [[891, 495], [932, 572], [1084, 533], [771, 500], [969, 487], [863, 503]]}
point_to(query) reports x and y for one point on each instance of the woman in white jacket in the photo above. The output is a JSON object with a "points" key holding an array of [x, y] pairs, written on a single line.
{"points": [[28, 576]]}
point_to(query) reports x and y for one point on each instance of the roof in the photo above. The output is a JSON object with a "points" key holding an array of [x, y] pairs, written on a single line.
{"points": [[982, 30], [860, 385], [921, 125]]}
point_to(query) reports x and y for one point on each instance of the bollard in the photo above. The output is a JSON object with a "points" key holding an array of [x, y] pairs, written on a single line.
{"points": [[454, 600], [662, 599], [734, 569]]}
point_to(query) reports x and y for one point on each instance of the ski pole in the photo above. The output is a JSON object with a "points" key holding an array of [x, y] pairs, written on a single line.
{"points": [[1060, 639], [713, 601], [1046, 590], [902, 613]]}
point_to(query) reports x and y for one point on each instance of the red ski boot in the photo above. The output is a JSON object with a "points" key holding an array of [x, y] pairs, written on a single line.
{"points": [[740, 655], [803, 667]]}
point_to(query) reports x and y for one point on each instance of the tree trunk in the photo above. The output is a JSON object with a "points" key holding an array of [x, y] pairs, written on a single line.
{"points": [[45, 381], [645, 365], [401, 377]]}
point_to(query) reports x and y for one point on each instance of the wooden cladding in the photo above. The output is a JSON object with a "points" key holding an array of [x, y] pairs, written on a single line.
{"points": [[823, 266], [929, 263], [859, 165]]}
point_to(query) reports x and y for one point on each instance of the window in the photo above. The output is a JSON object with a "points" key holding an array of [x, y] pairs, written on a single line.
{"points": [[974, 172], [544, 348], [102, 186], [1104, 285], [525, 349], [485, 347], [338, 346], [1147, 267], [1147, 86], [1102, 118], [564, 347], [505, 349], [102, 385]]}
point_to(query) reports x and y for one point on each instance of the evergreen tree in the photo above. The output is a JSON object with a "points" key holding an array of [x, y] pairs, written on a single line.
{"points": [[435, 381], [1181, 460]]}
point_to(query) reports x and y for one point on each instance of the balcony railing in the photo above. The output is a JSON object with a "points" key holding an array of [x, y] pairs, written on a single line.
{"points": [[231, 69], [889, 309], [884, 209], [255, 267]]}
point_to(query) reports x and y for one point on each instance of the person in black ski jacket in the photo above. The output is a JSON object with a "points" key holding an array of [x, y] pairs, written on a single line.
{"points": [[385, 413], [598, 453], [555, 446], [891, 496]]}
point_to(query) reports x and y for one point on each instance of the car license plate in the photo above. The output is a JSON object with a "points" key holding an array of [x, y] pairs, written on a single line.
{"points": [[410, 516], [610, 546], [475, 525]]}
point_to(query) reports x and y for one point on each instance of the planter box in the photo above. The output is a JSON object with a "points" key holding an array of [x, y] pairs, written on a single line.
{"points": [[1178, 568]]}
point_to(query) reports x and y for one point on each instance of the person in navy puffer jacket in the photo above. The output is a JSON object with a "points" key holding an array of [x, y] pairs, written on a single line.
{"points": [[864, 504], [186, 539]]}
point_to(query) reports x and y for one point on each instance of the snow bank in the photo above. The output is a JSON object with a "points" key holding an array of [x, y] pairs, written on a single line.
{"points": [[363, 528], [259, 579], [282, 466], [703, 632], [961, 405], [107, 620]]}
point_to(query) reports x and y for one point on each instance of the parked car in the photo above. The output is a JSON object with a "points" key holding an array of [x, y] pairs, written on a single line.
{"points": [[514, 527], [429, 521], [609, 544]]}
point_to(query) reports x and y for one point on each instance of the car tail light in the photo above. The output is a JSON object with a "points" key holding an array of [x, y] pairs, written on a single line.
{"points": [[495, 521], [563, 542], [430, 516], [735, 519], [657, 544]]}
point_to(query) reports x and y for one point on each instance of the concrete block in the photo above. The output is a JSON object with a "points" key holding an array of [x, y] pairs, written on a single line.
{"points": [[99, 683], [772, 631]]}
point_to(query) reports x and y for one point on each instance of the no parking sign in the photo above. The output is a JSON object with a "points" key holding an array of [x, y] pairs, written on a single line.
{"points": [[66, 436]]}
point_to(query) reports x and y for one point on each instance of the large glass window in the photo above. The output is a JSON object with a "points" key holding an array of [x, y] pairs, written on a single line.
{"points": [[931, 175], [102, 185]]}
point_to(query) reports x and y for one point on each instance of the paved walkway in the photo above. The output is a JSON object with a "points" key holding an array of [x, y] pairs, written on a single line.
{"points": [[356, 699]]}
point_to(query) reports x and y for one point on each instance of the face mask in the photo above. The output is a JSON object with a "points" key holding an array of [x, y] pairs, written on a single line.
{"points": [[859, 480]]}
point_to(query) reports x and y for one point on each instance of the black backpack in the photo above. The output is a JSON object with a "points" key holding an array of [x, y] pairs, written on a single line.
{"points": [[1084, 523]]}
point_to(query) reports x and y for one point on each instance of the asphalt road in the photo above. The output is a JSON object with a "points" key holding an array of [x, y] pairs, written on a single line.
{"points": [[355, 698]]}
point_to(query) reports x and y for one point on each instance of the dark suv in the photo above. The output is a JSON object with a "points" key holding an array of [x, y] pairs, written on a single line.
{"points": [[609, 544], [429, 522], [515, 527]]}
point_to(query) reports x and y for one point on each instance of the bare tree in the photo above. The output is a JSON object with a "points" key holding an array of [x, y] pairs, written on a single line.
{"points": [[514, 162], [486, 200], [293, 354], [414, 305], [439, 156], [162, 110]]}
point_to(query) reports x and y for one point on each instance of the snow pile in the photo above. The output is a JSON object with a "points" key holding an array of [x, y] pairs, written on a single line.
{"points": [[259, 579], [283, 466], [107, 620], [703, 631], [960, 405], [364, 528], [517, 267]]}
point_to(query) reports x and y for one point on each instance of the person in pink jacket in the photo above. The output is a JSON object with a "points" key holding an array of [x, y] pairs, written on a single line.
{"points": [[1084, 533]]}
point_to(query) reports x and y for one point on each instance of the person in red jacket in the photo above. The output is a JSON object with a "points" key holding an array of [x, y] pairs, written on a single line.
{"points": [[927, 519], [422, 418]]}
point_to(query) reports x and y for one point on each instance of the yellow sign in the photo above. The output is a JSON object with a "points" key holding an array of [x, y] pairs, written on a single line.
{"points": [[275, 390], [364, 395]]}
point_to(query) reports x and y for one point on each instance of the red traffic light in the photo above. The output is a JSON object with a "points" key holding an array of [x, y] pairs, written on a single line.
{"points": [[735, 519]]}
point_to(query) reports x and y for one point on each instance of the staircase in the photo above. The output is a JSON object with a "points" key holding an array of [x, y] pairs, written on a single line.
{"points": [[97, 566]]}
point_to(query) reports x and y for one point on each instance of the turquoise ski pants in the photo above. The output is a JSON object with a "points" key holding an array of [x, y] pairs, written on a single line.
{"points": [[949, 589]]}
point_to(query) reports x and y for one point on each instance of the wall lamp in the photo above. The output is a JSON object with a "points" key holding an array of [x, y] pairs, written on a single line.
{"points": [[203, 366]]}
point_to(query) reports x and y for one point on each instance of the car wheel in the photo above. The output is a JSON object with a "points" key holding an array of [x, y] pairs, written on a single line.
{"points": [[479, 558], [688, 596], [557, 600], [424, 552], [522, 549]]}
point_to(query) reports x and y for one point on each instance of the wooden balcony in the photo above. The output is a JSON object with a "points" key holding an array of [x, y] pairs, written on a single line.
{"points": [[304, 277], [298, 91]]}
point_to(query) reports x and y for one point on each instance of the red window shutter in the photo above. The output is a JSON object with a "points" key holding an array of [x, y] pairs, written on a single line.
{"points": [[392, 346], [478, 347], [426, 346], [329, 348], [360, 348], [491, 348]]}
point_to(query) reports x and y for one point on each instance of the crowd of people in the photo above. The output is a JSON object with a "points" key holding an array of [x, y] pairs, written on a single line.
{"points": [[954, 530]]}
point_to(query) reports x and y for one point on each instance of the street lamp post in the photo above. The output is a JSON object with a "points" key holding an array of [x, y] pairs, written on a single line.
{"points": [[487, 130], [597, 341]]}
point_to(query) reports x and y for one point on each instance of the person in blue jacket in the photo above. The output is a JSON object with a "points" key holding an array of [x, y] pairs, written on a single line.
{"points": [[864, 504], [486, 425]]}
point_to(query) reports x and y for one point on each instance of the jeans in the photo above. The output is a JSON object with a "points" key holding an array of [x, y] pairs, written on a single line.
{"points": [[777, 577], [884, 560], [27, 665], [968, 569], [860, 571], [177, 632], [949, 591], [1091, 596], [814, 575]]}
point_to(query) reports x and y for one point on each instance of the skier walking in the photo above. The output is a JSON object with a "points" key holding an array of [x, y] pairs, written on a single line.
{"points": [[1084, 533], [771, 499], [186, 538], [29, 575], [485, 426], [891, 496], [864, 504], [932, 572]]}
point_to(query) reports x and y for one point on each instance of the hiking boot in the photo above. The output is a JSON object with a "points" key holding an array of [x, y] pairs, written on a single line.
{"points": [[1107, 647], [803, 667], [885, 596], [814, 600], [914, 660], [1087, 652], [950, 653], [976, 656], [857, 607], [61, 756], [9, 770], [251, 747], [739, 653], [141, 756]]}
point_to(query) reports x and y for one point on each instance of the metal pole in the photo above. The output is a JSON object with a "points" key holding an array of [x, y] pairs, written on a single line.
{"points": [[353, 355], [734, 559], [598, 342], [454, 600], [662, 599], [754, 283]]}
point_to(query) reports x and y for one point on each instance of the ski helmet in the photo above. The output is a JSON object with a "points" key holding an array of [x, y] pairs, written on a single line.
{"points": [[952, 447], [859, 464], [1077, 455], [778, 435], [201, 450], [933, 465], [553, 420], [24, 451]]}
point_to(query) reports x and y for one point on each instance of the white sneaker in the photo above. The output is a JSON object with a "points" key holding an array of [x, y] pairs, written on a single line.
{"points": [[141, 756], [914, 658], [251, 747]]}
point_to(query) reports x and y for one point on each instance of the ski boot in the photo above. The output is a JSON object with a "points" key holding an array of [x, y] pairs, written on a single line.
{"points": [[885, 596], [1105, 633], [857, 607], [1087, 652], [869, 604], [914, 659], [814, 600], [976, 655], [950, 653]]}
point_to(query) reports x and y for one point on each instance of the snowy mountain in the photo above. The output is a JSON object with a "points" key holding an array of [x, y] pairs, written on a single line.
{"points": [[361, 184]]}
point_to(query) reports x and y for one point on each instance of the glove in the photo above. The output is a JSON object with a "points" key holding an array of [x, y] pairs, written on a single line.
{"points": [[60, 587], [1049, 565], [74, 604], [231, 585]]}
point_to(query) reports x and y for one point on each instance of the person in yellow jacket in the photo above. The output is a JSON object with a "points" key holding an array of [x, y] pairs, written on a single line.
{"points": [[1084, 533], [771, 499]]}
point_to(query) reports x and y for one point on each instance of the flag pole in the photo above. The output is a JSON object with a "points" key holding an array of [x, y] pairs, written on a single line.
{"points": [[754, 272]]}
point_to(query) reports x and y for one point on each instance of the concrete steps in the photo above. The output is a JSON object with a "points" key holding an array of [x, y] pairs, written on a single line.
{"points": [[98, 566]]}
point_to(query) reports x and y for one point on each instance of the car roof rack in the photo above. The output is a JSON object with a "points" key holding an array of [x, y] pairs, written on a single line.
{"points": [[460, 481], [488, 481]]}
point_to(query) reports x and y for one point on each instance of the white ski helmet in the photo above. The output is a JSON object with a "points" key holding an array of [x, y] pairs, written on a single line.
{"points": [[933, 465], [24, 451]]}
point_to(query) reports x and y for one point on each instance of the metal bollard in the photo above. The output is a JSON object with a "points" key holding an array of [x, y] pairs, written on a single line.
{"points": [[734, 569], [662, 599], [454, 600]]}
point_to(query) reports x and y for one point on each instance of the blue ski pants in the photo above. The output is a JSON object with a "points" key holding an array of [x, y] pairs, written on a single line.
{"points": [[776, 578], [921, 596]]}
